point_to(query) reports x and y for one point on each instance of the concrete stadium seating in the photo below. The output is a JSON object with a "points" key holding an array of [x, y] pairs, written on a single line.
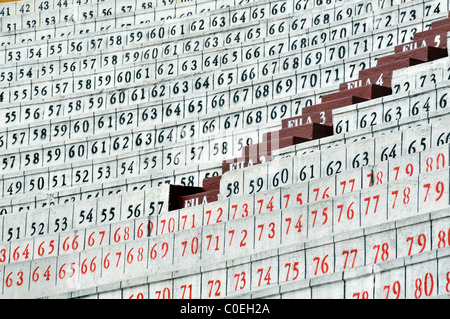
{"points": [[224, 149]]}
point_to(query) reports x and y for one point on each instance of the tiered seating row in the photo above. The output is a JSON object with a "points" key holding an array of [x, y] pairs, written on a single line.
{"points": [[106, 23], [11, 8], [279, 275], [398, 279], [122, 12], [414, 104], [41, 199], [92, 212], [402, 279]]}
